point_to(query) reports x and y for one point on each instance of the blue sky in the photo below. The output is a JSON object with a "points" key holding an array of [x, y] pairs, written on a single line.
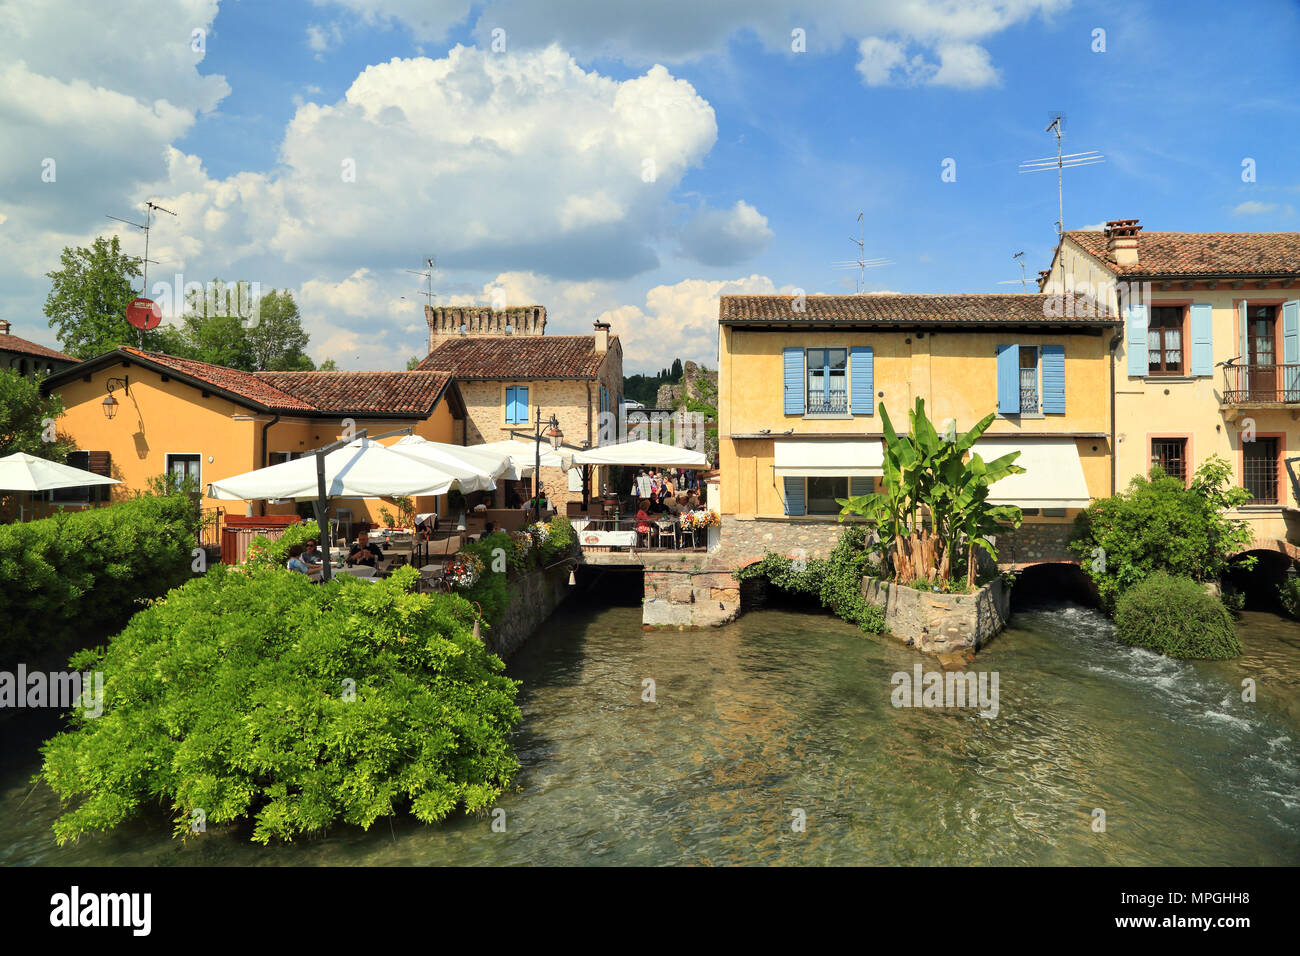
{"points": [[518, 167]]}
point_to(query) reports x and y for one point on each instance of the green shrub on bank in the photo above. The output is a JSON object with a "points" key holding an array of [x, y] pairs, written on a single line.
{"points": [[1162, 524], [85, 572], [504, 555], [1289, 592], [263, 697], [1176, 616], [835, 581]]}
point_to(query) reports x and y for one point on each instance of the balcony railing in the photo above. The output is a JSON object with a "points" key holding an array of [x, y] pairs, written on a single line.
{"points": [[822, 402], [1261, 384]]}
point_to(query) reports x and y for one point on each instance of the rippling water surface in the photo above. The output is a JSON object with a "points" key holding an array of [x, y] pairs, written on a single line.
{"points": [[790, 710]]}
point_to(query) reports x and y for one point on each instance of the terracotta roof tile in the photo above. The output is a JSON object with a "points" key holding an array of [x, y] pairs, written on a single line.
{"points": [[243, 384], [1201, 253], [12, 343], [956, 309], [412, 393], [525, 356]]}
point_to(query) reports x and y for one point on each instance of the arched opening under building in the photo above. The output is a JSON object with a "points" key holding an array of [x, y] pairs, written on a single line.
{"points": [[1042, 584], [1259, 585]]}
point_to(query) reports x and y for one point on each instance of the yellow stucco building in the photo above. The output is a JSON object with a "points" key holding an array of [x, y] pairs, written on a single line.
{"points": [[208, 422], [1209, 360], [801, 378]]}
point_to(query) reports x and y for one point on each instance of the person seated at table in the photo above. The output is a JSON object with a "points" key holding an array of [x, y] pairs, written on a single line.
{"points": [[311, 554], [363, 552], [295, 562], [489, 527], [539, 500], [643, 518], [675, 506]]}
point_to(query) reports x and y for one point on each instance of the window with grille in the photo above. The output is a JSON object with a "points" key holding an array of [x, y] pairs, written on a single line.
{"points": [[1259, 470], [828, 381], [1028, 380], [1165, 340], [1170, 454]]}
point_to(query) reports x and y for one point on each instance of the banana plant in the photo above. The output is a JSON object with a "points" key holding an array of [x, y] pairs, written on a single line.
{"points": [[933, 502]]}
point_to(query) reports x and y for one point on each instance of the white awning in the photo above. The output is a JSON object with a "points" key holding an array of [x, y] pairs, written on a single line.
{"points": [[860, 458], [642, 452], [1053, 475], [23, 472]]}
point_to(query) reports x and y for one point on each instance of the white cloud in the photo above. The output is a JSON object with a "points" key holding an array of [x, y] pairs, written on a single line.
{"points": [[322, 38], [724, 237], [677, 321], [961, 65], [1253, 207]]}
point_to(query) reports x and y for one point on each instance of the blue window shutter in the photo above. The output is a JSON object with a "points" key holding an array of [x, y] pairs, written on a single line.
{"points": [[794, 496], [510, 404], [859, 485], [1202, 335], [792, 359], [1009, 379], [862, 377], [1053, 379], [1291, 349], [521, 404], [1135, 340]]}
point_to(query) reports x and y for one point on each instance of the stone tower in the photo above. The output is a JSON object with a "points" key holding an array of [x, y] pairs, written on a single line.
{"points": [[450, 321]]}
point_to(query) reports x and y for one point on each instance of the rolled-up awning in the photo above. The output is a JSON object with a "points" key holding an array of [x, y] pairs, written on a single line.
{"points": [[853, 459], [1053, 475]]}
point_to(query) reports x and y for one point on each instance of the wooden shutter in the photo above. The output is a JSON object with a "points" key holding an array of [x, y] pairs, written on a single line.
{"points": [[100, 462], [792, 379], [862, 379], [1291, 350], [1135, 340], [794, 502], [1201, 322], [1053, 379], [1009, 379]]}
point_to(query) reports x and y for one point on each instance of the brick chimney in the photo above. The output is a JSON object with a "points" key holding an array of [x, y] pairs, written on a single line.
{"points": [[1121, 241], [602, 336], [446, 322]]}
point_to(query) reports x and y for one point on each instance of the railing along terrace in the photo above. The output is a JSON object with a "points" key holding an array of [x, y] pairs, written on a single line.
{"points": [[822, 402], [1261, 384]]}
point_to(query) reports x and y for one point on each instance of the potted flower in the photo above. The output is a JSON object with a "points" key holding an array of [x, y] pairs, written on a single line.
{"points": [[463, 570]]}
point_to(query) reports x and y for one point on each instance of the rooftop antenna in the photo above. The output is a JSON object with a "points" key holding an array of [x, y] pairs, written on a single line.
{"points": [[861, 263], [146, 226], [1024, 286], [1059, 163], [428, 277]]}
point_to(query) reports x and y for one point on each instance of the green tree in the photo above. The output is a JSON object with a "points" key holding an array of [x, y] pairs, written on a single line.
{"points": [[88, 298], [1162, 524], [412, 363], [675, 373], [24, 413], [278, 341], [329, 365]]}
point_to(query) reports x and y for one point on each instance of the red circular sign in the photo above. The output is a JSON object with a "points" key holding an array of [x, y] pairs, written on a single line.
{"points": [[144, 313]]}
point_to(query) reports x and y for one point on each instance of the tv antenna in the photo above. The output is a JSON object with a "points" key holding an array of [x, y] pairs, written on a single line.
{"points": [[861, 263], [1060, 163], [1024, 286], [428, 277], [150, 206]]}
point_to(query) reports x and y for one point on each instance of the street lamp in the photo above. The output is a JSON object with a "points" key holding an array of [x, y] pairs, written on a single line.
{"points": [[556, 437], [110, 403]]}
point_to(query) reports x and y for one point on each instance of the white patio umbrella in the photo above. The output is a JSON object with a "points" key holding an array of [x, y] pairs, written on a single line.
{"points": [[469, 472], [495, 465], [642, 452], [524, 452], [360, 469], [23, 472]]}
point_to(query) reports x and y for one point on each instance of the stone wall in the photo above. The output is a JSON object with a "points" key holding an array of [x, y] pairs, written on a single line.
{"points": [[477, 321], [743, 541], [533, 598], [941, 623], [685, 592], [1035, 543]]}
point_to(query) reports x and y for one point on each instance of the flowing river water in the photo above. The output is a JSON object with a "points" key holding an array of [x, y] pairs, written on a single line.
{"points": [[789, 710]]}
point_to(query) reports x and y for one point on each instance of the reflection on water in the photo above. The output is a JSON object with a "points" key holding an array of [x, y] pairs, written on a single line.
{"points": [[789, 710]]}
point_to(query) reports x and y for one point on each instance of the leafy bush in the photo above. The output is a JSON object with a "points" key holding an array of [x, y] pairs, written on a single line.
{"points": [[295, 706], [835, 581], [1161, 525], [1289, 592], [274, 552], [1176, 616], [85, 572]]}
